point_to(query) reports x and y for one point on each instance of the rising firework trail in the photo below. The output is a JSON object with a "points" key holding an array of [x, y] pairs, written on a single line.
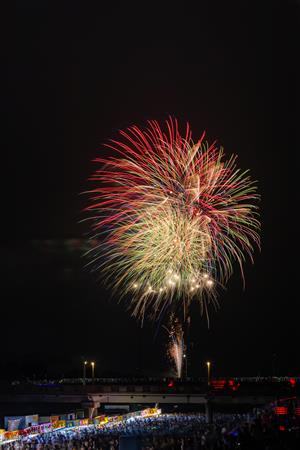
{"points": [[169, 218], [175, 348]]}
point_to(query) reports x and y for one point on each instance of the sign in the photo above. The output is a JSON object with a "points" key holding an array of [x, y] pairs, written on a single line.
{"points": [[54, 418], [281, 410], [113, 407], [31, 420], [12, 423], [80, 414], [44, 419]]}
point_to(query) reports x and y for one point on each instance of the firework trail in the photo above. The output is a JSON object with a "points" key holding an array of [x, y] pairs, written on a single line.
{"points": [[169, 217], [175, 347]]}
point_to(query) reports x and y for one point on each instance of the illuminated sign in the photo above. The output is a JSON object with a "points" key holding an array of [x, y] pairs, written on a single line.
{"points": [[218, 384], [281, 410]]}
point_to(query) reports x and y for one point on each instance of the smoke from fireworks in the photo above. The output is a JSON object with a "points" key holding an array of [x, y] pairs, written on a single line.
{"points": [[169, 217], [176, 345]]}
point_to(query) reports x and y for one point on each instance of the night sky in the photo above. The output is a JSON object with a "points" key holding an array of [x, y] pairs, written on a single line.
{"points": [[77, 73]]}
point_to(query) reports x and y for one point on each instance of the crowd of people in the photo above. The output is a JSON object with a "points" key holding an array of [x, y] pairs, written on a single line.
{"points": [[175, 432]]}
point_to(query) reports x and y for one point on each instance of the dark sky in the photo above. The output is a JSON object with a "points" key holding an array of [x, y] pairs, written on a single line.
{"points": [[76, 74]]}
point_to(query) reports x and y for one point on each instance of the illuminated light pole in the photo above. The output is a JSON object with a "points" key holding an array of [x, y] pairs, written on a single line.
{"points": [[93, 370], [208, 406], [208, 373], [185, 364], [84, 370]]}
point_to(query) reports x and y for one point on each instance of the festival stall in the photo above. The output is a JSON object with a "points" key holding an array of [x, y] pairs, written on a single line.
{"points": [[57, 424]]}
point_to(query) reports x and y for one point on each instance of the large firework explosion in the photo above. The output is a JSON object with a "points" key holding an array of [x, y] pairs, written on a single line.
{"points": [[169, 217]]}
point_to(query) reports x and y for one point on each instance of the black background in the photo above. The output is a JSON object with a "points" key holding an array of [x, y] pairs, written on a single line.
{"points": [[78, 72]]}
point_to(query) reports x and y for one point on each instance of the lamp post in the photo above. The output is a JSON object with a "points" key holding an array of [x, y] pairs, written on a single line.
{"points": [[208, 373], [93, 370], [84, 371], [185, 364], [208, 406]]}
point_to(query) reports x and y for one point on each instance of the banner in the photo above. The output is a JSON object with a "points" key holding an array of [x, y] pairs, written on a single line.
{"points": [[31, 420], [11, 435], [100, 420], [12, 423], [44, 419], [59, 424], [84, 422], [54, 418], [150, 412]]}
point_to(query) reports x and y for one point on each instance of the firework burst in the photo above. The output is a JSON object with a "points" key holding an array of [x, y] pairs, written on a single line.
{"points": [[169, 217]]}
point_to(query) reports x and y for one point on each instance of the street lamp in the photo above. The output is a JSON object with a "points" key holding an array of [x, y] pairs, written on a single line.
{"points": [[185, 364], [208, 372], [93, 370], [208, 406], [84, 370]]}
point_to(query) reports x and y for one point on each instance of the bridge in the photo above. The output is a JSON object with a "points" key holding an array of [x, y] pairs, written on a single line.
{"points": [[91, 394]]}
